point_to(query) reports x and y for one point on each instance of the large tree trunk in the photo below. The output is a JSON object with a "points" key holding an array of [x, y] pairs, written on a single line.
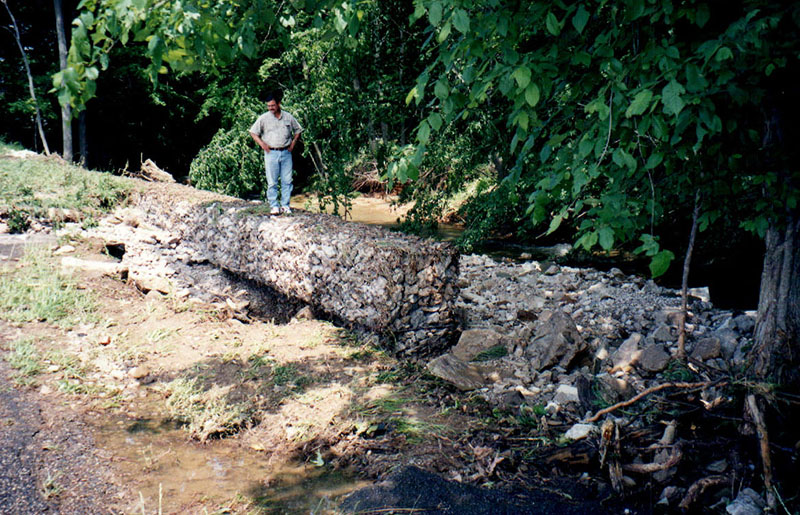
{"points": [[776, 353], [66, 111]]}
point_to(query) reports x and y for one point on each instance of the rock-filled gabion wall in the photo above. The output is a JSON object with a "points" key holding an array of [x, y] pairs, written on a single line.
{"points": [[401, 287]]}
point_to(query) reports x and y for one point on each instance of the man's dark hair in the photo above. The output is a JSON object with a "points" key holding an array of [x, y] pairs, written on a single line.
{"points": [[277, 96]]}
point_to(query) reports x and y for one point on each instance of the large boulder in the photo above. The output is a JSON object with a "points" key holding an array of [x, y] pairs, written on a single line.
{"points": [[557, 341]]}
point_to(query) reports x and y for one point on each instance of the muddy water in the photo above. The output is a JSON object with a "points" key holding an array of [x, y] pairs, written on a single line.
{"points": [[375, 211], [160, 462]]}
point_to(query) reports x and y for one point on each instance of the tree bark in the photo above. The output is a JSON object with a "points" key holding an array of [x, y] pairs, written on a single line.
{"points": [[66, 111], [687, 263], [776, 353], [31, 89], [82, 141]]}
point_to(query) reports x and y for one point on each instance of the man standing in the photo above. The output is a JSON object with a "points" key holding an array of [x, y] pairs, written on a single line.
{"points": [[277, 133]]}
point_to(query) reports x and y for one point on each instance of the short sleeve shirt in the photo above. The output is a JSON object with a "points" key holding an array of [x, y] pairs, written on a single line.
{"points": [[276, 132]]}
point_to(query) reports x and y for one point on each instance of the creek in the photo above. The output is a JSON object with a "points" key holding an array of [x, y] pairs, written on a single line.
{"points": [[172, 474]]}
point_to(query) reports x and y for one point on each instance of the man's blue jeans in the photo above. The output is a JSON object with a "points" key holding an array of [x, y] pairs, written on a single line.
{"points": [[278, 164]]}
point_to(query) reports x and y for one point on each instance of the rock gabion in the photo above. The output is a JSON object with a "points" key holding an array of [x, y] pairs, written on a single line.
{"points": [[365, 277]]}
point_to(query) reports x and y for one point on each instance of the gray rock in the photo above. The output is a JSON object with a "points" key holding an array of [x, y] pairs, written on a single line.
{"points": [[707, 348], [700, 293], [580, 431], [628, 353], [748, 502], [304, 314], [729, 340], [474, 341], [565, 394], [557, 342], [654, 358], [464, 376], [663, 334], [745, 323]]}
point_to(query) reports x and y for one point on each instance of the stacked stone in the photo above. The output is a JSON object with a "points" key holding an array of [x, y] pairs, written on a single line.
{"points": [[401, 287]]}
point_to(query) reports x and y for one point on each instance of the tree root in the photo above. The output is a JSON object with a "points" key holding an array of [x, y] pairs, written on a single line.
{"points": [[645, 393], [697, 488]]}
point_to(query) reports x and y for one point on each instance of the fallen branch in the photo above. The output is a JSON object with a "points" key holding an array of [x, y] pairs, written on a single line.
{"points": [[697, 488], [645, 393], [763, 438], [648, 468]]}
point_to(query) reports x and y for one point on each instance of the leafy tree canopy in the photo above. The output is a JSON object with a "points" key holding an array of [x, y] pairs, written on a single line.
{"points": [[619, 111]]}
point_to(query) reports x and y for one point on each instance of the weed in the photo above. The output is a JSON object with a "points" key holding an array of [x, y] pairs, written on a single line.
{"points": [[205, 412], [25, 358], [496, 352], [19, 220], [415, 430], [38, 291], [678, 371], [161, 334], [50, 486], [285, 374]]}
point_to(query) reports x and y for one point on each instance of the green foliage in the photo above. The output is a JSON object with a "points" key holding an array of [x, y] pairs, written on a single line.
{"points": [[18, 220], [231, 163], [618, 111]]}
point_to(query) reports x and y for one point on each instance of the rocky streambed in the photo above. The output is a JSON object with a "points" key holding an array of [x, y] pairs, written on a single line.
{"points": [[548, 343]]}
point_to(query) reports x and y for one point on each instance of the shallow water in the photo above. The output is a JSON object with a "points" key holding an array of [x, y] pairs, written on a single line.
{"points": [[159, 461]]}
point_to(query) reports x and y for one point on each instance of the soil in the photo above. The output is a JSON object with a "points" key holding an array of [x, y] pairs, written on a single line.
{"points": [[323, 412]]}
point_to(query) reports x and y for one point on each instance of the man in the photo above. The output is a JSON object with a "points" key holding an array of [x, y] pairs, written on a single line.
{"points": [[277, 133]]}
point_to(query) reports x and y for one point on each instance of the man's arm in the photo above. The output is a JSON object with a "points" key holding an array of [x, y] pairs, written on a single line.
{"points": [[294, 141], [261, 143]]}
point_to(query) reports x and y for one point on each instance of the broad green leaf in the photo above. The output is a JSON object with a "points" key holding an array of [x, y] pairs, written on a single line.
{"points": [[532, 94], [702, 16], [435, 119], [585, 147], [522, 120], [723, 53], [587, 241], [606, 238], [660, 263], [555, 223], [654, 160], [435, 13], [523, 76], [424, 132], [580, 19], [411, 95], [694, 78], [639, 104], [553, 26], [671, 98], [461, 21], [441, 90], [444, 32]]}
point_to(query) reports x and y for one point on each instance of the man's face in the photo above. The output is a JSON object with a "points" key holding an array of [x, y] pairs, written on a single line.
{"points": [[273, 107]]}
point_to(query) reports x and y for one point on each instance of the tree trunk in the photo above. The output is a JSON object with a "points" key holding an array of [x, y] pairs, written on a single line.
{"points": [[776, 353], [31, 89], [66, 111], [82, 142]]}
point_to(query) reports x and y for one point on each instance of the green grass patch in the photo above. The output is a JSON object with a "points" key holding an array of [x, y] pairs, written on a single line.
{"points": [[29, 187], [37, 291], [26, 360], [496, 352], [206, 412], [288, 374]]}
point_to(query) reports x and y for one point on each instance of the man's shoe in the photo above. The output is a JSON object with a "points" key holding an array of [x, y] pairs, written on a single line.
{"points": [[286, 210], [274, 211]]}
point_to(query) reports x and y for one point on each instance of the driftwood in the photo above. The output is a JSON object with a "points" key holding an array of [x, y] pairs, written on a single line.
{"points": [[152, 173], [763, 438], [644, 393], [648, 468], [698, 488]]}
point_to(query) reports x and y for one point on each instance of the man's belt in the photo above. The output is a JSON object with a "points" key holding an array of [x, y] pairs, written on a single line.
{"points": [[279, 148]]}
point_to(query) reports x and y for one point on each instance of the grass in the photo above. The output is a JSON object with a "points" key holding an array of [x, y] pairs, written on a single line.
{"points": [[26, 360], [37, 291], [206, 413], [30, 187]]}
